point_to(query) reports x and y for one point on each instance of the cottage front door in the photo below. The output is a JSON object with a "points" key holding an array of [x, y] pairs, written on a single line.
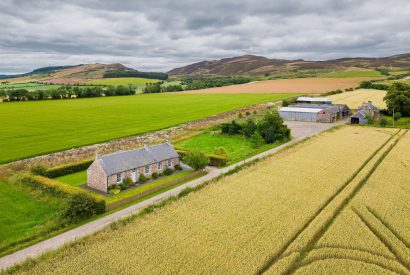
{"points": [[134, 175]]}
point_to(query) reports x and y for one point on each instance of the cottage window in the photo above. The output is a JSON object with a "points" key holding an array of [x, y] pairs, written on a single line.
{"points": [[169, 163], [159, 166], [119, 177], [147, 169]]}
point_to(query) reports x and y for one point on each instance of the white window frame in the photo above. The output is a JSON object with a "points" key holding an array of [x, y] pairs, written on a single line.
{"points": [[145, 169], [119, 177], [169, 163], [160, 166]]}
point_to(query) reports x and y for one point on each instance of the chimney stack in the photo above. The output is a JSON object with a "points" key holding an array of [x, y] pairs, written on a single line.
{"points": [[146, 145], [96, 154], [167, 140]]}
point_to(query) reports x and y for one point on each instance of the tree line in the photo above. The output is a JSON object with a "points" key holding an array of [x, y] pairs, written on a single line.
{"points": [[123, 73], [195, 83], [64, 92]]}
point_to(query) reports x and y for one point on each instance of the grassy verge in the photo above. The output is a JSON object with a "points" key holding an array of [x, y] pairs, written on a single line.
{"points": [[146, 187]]}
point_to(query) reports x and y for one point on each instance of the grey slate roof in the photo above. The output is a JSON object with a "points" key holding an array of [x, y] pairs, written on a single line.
{"points": [[359, 114], [127, 160]]}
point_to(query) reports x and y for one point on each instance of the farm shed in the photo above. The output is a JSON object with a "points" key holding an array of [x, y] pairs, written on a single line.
{"points": [[359, 118], [299, 113], [313, 100]]}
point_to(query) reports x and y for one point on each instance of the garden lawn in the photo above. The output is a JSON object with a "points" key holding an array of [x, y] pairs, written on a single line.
{"points": [[403, 122], [146, 186], [39, 127], [25, 215], [236, 146], [75, 179]]}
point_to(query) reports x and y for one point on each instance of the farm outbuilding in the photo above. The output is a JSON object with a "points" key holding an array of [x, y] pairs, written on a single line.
{"points": [[299, 113], [313, 100]]}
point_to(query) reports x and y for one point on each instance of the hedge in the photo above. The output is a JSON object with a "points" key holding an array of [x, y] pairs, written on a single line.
{"points": [[94, 204], [214, 160], [148, 192], [69, 168]]}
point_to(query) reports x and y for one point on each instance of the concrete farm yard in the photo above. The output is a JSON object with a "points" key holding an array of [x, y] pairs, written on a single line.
{"points": [[46, 126], [329, 218]]}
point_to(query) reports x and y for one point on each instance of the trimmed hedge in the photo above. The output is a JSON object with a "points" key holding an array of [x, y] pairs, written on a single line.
{"points": [[214, 160], [73, 195], [67, 169]]}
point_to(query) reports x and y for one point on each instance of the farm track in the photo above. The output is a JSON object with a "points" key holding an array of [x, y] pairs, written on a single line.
{"points": [[386, 236], [332, 202]]}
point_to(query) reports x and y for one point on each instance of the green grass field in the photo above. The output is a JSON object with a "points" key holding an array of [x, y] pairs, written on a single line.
{"points": [[236, 146], [39, 127], [75, 179], [24, 215], [29, 86], [122, 81], [343, 74]]}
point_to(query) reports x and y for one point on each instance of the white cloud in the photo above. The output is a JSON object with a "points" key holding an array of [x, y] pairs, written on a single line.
{"points": [[160, 35]]}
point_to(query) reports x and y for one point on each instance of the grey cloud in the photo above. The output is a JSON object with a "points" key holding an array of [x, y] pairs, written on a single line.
{"points": [[160, 35]]}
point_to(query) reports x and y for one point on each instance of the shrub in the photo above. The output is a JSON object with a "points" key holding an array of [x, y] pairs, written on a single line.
{"points": [[122, 186], [247, 113], [82, 206], [155, 175], [217, 160], [67, 169], [142, 178], [178, 167], [397, 115], [221, 151], [168, 171], [196, 159], [256, 140], [249, 128], [272, 128], [232, 128], [383, 122], [128, 182], [38, 170], [240, 115]]}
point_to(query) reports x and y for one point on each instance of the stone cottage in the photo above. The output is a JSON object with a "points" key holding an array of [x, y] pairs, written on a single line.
{"points": [[367, 109], [114, 168]]}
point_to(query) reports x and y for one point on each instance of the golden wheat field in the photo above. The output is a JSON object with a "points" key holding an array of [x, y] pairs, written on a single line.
{"points": [[334, 204], [355, 98]]}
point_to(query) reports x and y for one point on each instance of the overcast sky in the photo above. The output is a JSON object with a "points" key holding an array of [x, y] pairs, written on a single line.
{"points": [[161, 35]]}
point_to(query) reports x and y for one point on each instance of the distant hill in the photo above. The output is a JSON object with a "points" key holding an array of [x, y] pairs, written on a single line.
{"points": [[67, 74], [256, 65]]}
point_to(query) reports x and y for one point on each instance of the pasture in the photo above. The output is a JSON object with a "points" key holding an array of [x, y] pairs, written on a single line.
{"points": [[298, 85], [33, 128], [25, 215], [355, 98], [122, 81], [284, 214]]}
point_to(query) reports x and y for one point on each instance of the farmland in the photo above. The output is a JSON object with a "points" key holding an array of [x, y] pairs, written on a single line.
{"points": [[32, 215], [361, 73], [272, 217], [46, 126], [122, 81], [299, 85], [357, 97]]}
